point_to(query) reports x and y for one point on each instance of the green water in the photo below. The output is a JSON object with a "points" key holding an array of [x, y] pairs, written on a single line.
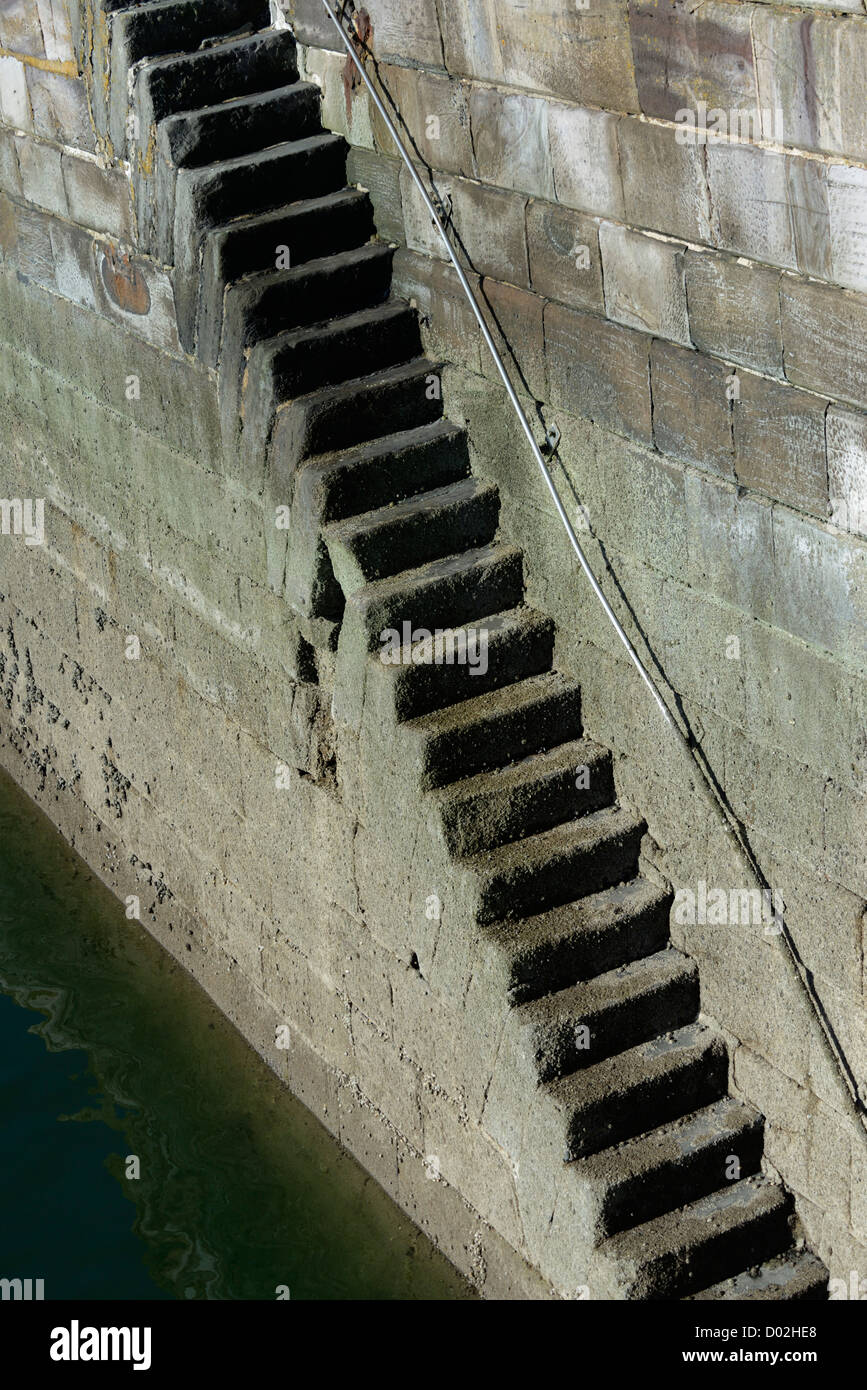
{"points": [[108, 1049]]}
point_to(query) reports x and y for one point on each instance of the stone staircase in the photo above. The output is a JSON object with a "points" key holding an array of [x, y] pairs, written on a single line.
{"points": [[321, 370]]}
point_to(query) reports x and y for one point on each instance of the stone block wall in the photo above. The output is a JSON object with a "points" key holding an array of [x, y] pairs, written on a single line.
{"points": [[690, 315], [689, 310], [50, 151]]}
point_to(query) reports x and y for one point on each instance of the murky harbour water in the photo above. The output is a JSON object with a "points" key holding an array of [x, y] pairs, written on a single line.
{"points": [[109, 1051]]}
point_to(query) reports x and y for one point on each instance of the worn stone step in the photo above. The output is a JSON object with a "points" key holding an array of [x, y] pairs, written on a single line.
{"points": [[240, 126], [639, 1089], [545, 870], [705, 1242], [327, 354], [523, 797], [495, 728], [177, 27], [444, 593], [160, 27], [679, 1161], [391, 468], [441, 521], [353, 413], [795, 1275], [259, 182], [309, 229], [516, 644], [232, 133], [337, 485], [321, 355], [585, 1023], [215, 193], [274, 302], [189, 81], [536, 955]]}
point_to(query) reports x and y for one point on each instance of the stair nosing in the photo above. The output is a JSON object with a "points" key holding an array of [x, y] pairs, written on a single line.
{"points": [[670, 963], [176, 117], [437, 723], [371, 250], [577, 825], [348, 528], [597, 1167], [792, 1256], [297, 208], [163, 60], [413, 366], [390, 309], [379, 446], [758, 1184], [493, 552], [323, 139], [590, 1079], [464, 788]]}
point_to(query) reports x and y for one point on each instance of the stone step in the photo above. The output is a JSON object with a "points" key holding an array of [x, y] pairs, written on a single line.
{"points": [[189, 81], [521, 798], [178, 26], [708, 1241], [639, 1089], [322, 355], [326, 354], [310, 229], [336, 485], [580, 940], [240, 126], [259, 182], [170, 27], [352, 413], [796, 1274], [442, 521], [585, 1023], [215, 193], [445, 593], [545, 870], [352, 481], [274, 302], [520, 643], [680, 1161], [495, 728]]}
